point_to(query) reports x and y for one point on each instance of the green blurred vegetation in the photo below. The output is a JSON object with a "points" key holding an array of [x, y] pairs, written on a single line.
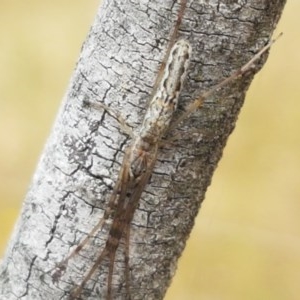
{"points": [[246, 243]]}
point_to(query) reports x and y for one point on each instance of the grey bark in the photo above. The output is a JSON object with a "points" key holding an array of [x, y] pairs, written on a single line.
{"points": [[81, 160]]}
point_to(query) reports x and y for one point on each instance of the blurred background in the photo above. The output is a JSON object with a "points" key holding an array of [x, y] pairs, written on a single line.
{"points": [[246, 242]]}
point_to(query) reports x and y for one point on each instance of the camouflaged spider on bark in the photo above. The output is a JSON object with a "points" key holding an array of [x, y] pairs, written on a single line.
{"points": [[140, 157]]}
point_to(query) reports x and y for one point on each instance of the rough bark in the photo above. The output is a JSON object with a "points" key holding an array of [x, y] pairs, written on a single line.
{"points": [[81, 160]]}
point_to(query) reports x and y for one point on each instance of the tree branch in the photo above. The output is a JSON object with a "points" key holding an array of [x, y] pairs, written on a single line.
{"points": [[82, 158]]}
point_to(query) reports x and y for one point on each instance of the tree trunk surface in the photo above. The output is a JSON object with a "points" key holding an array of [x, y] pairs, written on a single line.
{"points": [[81, 160]]}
